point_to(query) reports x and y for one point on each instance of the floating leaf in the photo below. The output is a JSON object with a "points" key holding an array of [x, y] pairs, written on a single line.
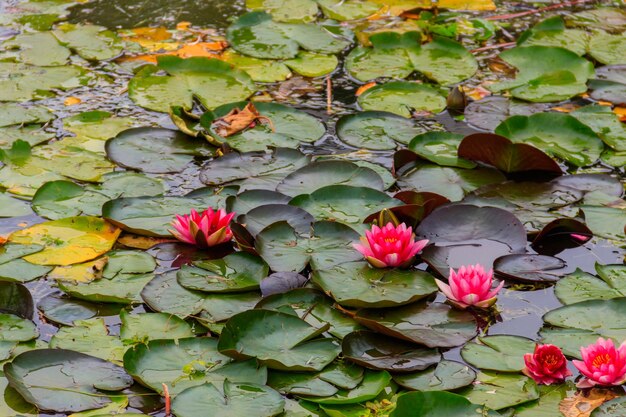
{"points": [[581, 286], [65, 381], [429, 324], [440, 148], [356, 284], [447, 375], [500, 390], [278, 340], [498, 353], [529, 268], [545, 73], [376, 130], [557, 134], [436, 404], [68, 241], [372, 384], [403, 98]]}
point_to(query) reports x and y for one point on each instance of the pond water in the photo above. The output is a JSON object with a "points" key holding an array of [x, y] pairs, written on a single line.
{"points": [[562, 90]]}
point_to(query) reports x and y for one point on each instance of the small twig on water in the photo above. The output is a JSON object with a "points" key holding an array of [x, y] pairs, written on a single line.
{"points": [[496, 46], [541, 9], [329, 95], [168, 401]]}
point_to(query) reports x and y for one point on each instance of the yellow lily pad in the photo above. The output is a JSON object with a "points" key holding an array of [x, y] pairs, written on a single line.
{"points": [[68, 241], [84, 272]]}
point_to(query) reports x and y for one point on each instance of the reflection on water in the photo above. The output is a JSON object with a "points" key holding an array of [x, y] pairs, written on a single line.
{"points": [[136, 13]]}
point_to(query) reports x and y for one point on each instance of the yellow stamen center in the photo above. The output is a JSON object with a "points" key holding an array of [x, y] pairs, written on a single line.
{"points": [[391, 239], [601, 360]]}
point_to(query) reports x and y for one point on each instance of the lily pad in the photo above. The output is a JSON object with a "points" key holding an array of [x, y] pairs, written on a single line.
{"points": [[497, 390], [581, 286], [286, 10], [609, 84], [344, 203], [15, 299], [444, 61], [604, 48], [505, 155], [40, 48], [447, 375], [211, 81], [440, 148], [356, 284], [489, 112], [546, 73], [236, 272], [310, 64], [186, 363], [155, 150], [139, 328], [68, 311], [258, 170], [320, 174], [552, 32], [68, 241], [498, 353], [429, 324], [235, 399], [16, 329], [436, 404], [370, 387], [326, 245], [260, 217], [529, 268], [90, 337], [402, 98], [368, 349], [605, 123], [557, 134], [91, 42], [452, 183], [65, 381], [376, 130], [15, 114], [278, 340]]}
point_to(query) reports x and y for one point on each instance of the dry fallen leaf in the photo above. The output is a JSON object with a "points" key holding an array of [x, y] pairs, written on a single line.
{"points": [[85, 272], [237, 120], [142, 242], [500, 66], [364, 88], [584, 402], [566, 108], [183, 25], [477, 93], [70, 101], [621, 112]]}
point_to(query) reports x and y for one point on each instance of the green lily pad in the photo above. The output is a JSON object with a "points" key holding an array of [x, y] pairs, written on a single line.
{"points": [[90, 337], [16, 329], [607, 222], [278, 340], [326, 245], [604, 123], [444, 61], [498, 353], [569, 340], [287, 127], [12, 404], [552, 32], [387, 57], [65, 381], [549, 402], [429, 324], [211, 81], [68, 311], [236, 272], [598, 317], [16, 114], [21, 82], [155, 150], [257, 35], [368, 349], [286, 10], [356, 284], [489, 112], [557, 134], [581, 286], [605, 48], [497, 391], [401, 97], [15, 299], [186, 363], [347, 9], [12, 207], [258, 170], [261, 70], [450, 182], [309, 64], [611, 18], [260, 217], [236, 399], [447, 375], [91, 42], [320, 174], [248, 200], [376, 130], [344, 203], [14, 269], [139, 328], [373, 383], [300, 383], [545, 74], [612, 408], [440, 148], [40, 48], [151, 216], [436, 404], [313, 307]]}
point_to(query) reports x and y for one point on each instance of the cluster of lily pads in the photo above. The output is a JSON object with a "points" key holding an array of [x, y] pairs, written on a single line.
{"points": [[246, 271]]}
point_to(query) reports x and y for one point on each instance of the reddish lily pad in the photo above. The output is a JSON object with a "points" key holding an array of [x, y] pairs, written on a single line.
{"points": [[530, 268], [509, 157]]}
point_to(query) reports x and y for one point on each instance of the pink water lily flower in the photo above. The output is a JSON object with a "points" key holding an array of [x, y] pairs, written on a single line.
{"points": [[389, 246], [602, 364], [470, 286], [205, 229], [546, 365]]}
